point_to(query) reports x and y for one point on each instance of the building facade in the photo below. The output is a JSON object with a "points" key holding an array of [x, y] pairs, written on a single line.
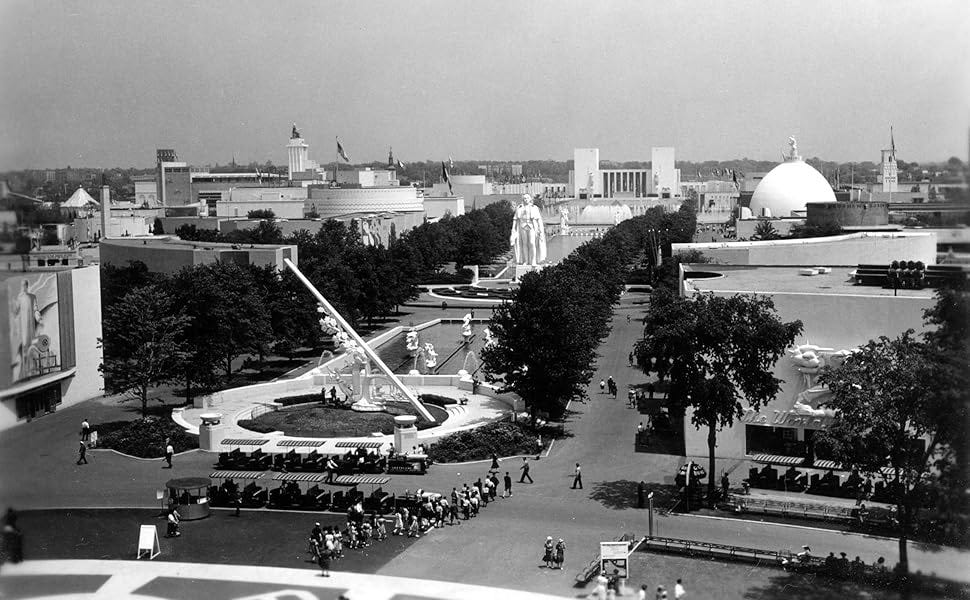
{"points": [[49, 355]]}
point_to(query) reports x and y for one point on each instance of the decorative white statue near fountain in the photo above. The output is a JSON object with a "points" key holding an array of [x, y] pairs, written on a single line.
{"points": [[466, 328], [419, 352], [358, 391]]}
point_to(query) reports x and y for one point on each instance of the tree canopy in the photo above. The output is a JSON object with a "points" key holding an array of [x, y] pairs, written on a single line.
{"points": [[718, 354], [902, 412], [142, 342]]}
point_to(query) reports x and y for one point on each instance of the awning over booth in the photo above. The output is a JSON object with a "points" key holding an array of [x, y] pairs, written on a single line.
{"points": [[778, 459], [235, 475], [299, 477], [358, 479], [299, 443], [243, 442], [359, 444]]}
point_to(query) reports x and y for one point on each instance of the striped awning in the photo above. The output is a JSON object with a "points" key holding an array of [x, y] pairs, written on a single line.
{"points": [[358, 479], [778, 459], [300, 443], [827, 464], [359, 444], [243, 442], [299, 477], [235, 475]]}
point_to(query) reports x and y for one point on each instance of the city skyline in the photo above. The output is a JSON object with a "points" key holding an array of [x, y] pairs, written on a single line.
{"points": [[106, 84]]}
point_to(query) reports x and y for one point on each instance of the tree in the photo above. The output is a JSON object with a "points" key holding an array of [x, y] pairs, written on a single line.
{"points": [[895, 418], [718, 354], [158, 228], [765, 230], [262, 213], [141, 343]]}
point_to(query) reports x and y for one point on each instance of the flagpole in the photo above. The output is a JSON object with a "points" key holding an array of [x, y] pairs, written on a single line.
{"points": [[336, 162]]}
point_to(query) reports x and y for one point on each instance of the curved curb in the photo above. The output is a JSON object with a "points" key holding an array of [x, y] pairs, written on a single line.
{"points": [[141, 458]]}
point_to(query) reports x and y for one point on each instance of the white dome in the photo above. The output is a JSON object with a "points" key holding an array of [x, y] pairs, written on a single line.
{"points": [[789, 187]]}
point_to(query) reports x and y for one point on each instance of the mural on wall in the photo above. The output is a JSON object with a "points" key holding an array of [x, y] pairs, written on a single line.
{"points": [[34, 325]]}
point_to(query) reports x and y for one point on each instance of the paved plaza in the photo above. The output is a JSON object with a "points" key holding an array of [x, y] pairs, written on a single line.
{"points": [[500, 548]]}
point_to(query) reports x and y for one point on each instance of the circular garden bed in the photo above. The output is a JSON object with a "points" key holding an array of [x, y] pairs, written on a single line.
{"points": [[327, 421], [144, 438]]}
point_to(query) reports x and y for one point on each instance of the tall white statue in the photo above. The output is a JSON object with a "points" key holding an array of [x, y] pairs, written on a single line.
{"points": [[528, 237]]}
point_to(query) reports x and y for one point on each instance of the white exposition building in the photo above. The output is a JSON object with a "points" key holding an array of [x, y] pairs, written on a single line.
{"points": [[588, 180]]}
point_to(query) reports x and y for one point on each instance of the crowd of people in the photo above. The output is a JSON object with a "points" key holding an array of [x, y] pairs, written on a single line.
{"points": [[327, 544], [608, 588]]}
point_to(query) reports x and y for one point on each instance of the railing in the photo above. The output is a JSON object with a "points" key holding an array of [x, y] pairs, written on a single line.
{"points": [[262, 410], [800, 509], [712, 550]]}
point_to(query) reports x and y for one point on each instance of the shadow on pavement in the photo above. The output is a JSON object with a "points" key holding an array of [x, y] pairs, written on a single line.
{"points": [[804, 586]]}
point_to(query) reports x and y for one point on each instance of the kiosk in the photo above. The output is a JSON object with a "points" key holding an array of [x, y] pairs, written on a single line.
{"points": [[189, 496]]}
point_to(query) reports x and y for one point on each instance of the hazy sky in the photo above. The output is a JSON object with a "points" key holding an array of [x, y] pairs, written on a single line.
{"points": [[104, 83]]}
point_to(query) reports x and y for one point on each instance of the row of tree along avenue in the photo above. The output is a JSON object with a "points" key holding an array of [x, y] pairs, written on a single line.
{"points": [[546, 338], [902, 405], [193, 326]]}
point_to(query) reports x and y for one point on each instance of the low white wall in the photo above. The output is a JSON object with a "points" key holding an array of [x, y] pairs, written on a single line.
{"points": [[838, 250]]}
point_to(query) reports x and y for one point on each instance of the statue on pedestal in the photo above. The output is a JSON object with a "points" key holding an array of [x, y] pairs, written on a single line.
{"points": [[528, 237], [296, 134]]}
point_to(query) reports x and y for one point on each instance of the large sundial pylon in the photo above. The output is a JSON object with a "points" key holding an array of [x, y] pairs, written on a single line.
{"points": [[370, 354]]}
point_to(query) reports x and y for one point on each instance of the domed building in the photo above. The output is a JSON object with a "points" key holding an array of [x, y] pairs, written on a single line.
{"points": [[790, 187]]}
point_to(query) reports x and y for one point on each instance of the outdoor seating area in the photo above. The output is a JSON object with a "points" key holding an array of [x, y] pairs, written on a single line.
{"points": [[815, 481], [300, 491], [356, 460], [908, 274]]}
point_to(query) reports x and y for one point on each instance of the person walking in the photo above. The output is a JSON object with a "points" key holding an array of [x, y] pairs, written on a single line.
{"points": [[169, 452], [642, 594], [494, 466], [560, 553], [679, 591], [508, 486], [577, 477], [323, 561], [85, 430], [602, 385], [82, 452], [547, 555], [611, 385], [525, 471]]}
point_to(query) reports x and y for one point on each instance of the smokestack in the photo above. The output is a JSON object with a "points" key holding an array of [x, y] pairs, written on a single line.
{"points": [[105, 207]]}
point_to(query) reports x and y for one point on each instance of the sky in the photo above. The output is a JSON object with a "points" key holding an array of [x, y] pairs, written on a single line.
{"points": [[103, 83]]}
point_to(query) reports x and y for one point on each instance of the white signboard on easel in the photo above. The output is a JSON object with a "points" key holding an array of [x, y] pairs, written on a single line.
{"points": [[148, 542], [615, 556]]}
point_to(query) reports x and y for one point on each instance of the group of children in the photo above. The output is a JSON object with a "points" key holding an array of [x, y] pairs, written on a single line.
{"points": [[328, 543]]}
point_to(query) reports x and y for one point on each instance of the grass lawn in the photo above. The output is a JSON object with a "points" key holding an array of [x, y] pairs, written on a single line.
{"points": [[269, 538], [325, 421]]}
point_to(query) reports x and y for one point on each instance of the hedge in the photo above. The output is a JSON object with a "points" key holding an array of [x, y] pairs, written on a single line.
{"points": [[503, 439], [144, 438]]}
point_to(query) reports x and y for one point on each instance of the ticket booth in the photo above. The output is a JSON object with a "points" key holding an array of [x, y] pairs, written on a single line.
{"points": [[189, 496]]}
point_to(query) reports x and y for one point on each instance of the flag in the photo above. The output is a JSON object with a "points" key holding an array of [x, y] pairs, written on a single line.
{"points": [[340, 151], [445, 177], [400, 165], [734, 176]]}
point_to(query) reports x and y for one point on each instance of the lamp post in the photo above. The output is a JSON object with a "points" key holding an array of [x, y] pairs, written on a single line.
{"points": [[650, 514]]}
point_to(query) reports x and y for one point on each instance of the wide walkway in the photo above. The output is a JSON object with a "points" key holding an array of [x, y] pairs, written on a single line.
{"points": [[116, 580], [500, 548]]}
